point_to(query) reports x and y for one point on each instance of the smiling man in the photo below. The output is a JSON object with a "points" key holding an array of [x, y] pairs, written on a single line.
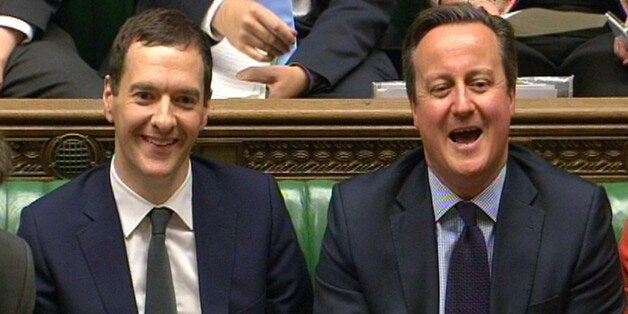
{"points": [[468, 223], [155, 230]]}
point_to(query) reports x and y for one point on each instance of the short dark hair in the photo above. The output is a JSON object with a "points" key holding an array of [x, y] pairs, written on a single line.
{"points": [[6, 164], [454, 14], [159, 27]]}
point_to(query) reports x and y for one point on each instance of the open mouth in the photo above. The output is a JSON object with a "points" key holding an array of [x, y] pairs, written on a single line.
{"points": [[465, 136]]}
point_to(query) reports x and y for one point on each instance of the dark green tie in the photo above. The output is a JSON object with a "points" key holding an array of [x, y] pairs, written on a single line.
{"points": [[159, 288]]}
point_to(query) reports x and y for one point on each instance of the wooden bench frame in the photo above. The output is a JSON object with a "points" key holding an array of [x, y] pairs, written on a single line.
{"points": [[314, 138]]}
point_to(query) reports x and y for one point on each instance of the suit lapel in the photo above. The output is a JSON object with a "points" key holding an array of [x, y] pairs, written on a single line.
{"points": [[215, 233], [104, 250], [414, 238], [517, 240]]}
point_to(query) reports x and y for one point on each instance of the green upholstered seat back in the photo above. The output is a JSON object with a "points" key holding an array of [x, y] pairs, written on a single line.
{"points": [[306, 202], [618, 196], [15, 195]]}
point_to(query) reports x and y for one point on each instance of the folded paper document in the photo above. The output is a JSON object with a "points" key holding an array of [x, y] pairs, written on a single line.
{"points": [[527, 87], [538, 21]]}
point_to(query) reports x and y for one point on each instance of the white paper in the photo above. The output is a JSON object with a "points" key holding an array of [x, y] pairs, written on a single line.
{"points": [[227, 62]]}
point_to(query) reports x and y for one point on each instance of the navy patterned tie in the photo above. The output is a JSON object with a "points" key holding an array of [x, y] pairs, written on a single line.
{"points": [[160, 296], [468, 280]]}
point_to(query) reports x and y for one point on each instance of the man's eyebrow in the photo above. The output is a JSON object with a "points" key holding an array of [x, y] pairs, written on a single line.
{"points": [[142, 86], [189, 92], [150, 87], [481, 71]]}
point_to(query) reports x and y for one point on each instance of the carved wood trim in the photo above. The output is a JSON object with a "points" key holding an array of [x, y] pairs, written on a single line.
{"points": [[316, 138]]}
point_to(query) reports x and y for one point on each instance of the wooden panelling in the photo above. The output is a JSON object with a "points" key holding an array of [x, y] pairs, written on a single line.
{"points": [[316, 138]]}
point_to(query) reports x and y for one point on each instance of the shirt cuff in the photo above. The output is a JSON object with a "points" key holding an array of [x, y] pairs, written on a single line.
{"points": [[18, 25], [206, 24], [316, 82]]}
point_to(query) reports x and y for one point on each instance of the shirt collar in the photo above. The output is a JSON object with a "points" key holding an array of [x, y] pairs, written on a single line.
{"points": [[444, 198], [132, 208]]}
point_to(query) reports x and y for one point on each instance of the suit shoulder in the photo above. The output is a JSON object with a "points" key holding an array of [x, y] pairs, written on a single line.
{"points": [[11, 244], [74, 191], [543, 172], [556, 188], [226, 170], [231, 178], [385, 182]]}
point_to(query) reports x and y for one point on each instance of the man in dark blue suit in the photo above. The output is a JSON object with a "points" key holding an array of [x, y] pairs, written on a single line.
{"points": [[468, 223], [229, 240]]}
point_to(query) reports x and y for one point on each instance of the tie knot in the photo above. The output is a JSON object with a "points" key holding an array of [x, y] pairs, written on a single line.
{"points": [[159, 217], [467, 211]]}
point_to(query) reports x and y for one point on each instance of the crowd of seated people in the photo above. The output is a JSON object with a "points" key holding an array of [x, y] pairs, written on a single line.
{"points": [[335, 56], [212, 216], [591, 54], [39, 57]]}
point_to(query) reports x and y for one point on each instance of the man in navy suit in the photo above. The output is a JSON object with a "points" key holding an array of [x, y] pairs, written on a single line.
{"points": [[230, 242], [393, 236]]}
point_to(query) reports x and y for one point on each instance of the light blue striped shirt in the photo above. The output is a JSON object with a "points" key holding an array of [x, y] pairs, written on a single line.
{"points": [[449, 225]]}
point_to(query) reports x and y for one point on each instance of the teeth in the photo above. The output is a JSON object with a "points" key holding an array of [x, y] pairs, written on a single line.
{"points": [[160, 143]]}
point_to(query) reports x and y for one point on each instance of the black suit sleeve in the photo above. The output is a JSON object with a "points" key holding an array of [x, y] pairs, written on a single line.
{"points": [[337, 285], [343, 36], [17, 276], [289, 289], [597, 286], [46, 300], [35, 12]]}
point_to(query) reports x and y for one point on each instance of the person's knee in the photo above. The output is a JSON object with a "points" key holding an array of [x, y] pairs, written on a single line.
{"points": [[49, 70]]}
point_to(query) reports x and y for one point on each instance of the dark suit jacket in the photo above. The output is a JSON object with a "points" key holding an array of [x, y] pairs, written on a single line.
{"points": [[330, 43], [17, 276], [554, 251], [337, 36], [93, 24], [247, 252], [40, 12]]}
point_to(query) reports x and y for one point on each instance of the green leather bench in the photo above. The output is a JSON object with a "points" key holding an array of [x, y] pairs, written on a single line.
{"points": [[306, 201]]}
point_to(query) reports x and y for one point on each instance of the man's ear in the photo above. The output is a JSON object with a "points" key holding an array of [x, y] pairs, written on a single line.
{"points": [[513, 96], [107, 98]]}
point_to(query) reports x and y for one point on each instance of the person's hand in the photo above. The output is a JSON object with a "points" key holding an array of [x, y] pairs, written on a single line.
{"points": [[282, 81], [253, 29], [620, 46], [9, 38], [493, 7]]}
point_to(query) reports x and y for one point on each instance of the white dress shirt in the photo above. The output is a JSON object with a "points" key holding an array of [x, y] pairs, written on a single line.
{"points": [[19, 25], [449, 225], [180, 241]]}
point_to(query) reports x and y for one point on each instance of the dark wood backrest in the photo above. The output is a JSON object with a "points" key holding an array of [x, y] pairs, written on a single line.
{"points": [[314, 138]]}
